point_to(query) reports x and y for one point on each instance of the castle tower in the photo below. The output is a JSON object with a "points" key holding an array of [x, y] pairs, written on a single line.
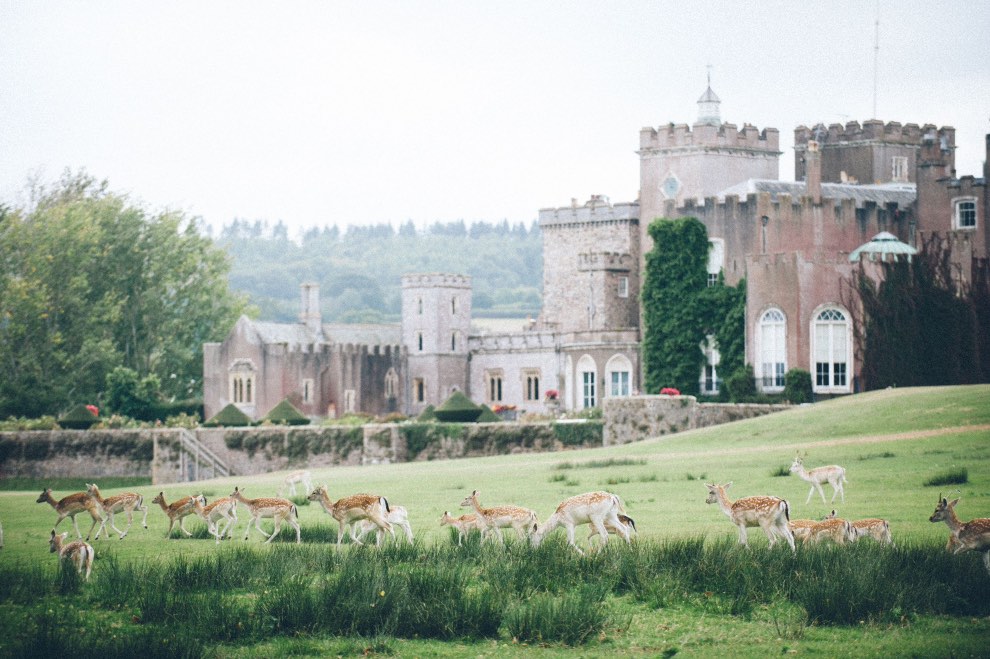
{"points": [[436, 320]]}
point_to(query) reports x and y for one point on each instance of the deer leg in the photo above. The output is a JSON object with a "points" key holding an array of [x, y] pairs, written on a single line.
{"points": [[144, 521], [742, 535], [182, 526], [96, 520]]}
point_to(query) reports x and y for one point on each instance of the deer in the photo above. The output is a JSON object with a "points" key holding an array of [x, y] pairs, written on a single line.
{"points": [[125, 502], [834, 475], [464, 525], [624, 520], [224, 508], [878, 529], [836, 529], [79, 552], [973, 535], [801, 528], [70, 506], [523, 520], [298, 477], [353, 509], [177, 511], [600, 509], [278, 509], [768, 512], [396, 516]]}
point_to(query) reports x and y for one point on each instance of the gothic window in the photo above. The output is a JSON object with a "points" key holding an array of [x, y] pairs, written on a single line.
{"points": [[241, 382], [899, 168], [494, 379], [709, 374], [716, 259], [531, 383], [391, 384], [772, 350], [587, 371], [419, 390], [307, 390], [830, 351], [965, 214], [618, 374]]}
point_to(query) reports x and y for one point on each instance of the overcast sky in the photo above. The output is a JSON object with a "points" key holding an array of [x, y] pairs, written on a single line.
{"points": [[318, 113]]}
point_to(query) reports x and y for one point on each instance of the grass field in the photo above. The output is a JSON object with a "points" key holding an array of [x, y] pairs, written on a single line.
{"points": [[752, 603]]}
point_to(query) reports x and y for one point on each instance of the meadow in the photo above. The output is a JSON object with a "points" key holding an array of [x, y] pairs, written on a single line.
{"points": [[684, 587]]}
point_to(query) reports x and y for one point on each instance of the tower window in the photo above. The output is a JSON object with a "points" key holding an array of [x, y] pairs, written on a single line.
{"points": [[899, 168], [965, 214], [623, 290]]}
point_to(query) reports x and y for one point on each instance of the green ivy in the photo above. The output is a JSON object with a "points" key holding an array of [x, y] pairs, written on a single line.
{"points": [[589, 433], [680, 310]]}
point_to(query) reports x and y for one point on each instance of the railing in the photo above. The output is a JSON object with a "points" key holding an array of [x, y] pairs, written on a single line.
{"points": [[196, 459]]}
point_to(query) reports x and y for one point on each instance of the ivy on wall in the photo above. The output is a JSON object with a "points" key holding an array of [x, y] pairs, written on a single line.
{"points": [[680, 310]]}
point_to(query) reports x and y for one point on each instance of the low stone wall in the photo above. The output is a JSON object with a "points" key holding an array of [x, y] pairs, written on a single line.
{"points": [[641, 417]]}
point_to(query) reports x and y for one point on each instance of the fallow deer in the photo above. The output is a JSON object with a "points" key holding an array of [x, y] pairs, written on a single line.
{"points": [[177, 511], [298, 477], [600, 509], [834, 475], [769, 513], [224, 508], [70, 506], [396, 516], [523, 520], [126, 502], [836, 529], [77, 551], [464, 525], [973, 535], [275, 508], [878, 529], [353, 509]]}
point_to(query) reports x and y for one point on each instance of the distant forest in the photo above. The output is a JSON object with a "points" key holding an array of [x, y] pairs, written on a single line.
{"points": [[359, 269]]}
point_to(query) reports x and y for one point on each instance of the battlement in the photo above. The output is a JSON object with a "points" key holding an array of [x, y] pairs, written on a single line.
{"points": [[436, 280], [607, 261], [598, 209], [873, 130], [724, 136]]}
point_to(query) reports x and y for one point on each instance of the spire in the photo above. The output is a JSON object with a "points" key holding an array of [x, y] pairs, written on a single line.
{"points": [[708, 112]]}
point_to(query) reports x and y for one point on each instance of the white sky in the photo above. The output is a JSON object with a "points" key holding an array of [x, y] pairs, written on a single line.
{"points": [[320, 113]]}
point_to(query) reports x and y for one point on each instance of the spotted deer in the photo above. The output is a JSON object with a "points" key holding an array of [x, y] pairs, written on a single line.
{"points": [[70, 506], [279, 510], [624, 520], [298, 477], [222, 509], [177, 511], [878, 529], [464, 525], [126, 502], [523, 520], [78, 552], [599, 509], [834, 475], [801, 528], [353, 509], [396, 516], [769, 513], [973, 535], [836, 529]]}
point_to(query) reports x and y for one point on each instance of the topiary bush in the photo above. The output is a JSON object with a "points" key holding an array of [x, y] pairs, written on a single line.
{"points": [[230, 416], [742, 385], [458, 408], [78, 418], [487, 416], [429, 414], [797, 386], [286, 414]]}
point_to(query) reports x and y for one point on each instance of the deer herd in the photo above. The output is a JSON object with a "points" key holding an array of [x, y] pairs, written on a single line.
{"points": [[359, 515]]}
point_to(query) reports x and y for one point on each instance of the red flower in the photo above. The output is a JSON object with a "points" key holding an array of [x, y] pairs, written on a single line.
{"points": [[551, 394], [669, 391], [93, 409]]}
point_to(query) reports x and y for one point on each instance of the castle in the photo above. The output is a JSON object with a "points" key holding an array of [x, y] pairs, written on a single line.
{"points": [[870, 191]]}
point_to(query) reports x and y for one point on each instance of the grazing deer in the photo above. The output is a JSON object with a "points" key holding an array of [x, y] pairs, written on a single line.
{"points": [[769, 513], [801, 528], [299, 477], [973, 535], [624, 520], [177, 511], [878, 529], [224, 508], [523, 520], [353, 509], [72, 505], [464, 525], [77, 551], [836, 529], [278, 509], [396, 516], [600, 509], [125, 502], [834, 475]]}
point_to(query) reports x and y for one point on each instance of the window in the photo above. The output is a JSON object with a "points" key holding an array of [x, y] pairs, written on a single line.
{"points": [[716, 257], [453, 305], [899, 168], [531, 384], [419, 341], [307, 391], [494, 386], [453, 341], [772, 349], [241, 382], [419, 306], [419, 390], [709, 374], [830, 350], [350, 401], [623, 287], [391, 383], [965, 214], [618, 376], [588, 396]]}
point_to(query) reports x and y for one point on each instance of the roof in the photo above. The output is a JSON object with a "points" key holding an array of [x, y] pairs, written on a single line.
{"points": [[709, 97], [299, 334], [885, 244], [900, 193]]}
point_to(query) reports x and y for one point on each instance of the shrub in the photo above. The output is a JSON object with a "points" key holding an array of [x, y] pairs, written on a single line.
{"points": [[797, 386], [949, 477], [742, 385], [286, 414], [579, 434], [429, 414], [458, 408], [78, 418], [488, 416], [230, 416]]}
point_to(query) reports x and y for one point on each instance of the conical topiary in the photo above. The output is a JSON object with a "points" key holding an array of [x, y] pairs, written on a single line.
{"points": [[487, 416], [286, 414], [429, 414], [458, 408], [230, 416], [78, 418]]}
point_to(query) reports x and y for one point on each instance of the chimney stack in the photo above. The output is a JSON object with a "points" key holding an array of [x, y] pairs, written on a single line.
{"points": [[813, 172], [309, 314]]}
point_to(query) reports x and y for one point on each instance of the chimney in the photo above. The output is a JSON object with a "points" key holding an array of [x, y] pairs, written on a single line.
{"points": [[309, 314], [813, 172]]}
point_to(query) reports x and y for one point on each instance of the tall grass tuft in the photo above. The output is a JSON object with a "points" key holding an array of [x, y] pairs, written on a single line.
{"points": [[570, 618], [949, 477]]}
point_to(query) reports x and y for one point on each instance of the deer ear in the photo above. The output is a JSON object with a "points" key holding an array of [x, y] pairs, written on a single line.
{"points": [[953, 504], [728, 485]]}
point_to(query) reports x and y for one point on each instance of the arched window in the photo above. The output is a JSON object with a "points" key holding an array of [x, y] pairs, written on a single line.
{"points": [[716, 260], [587, 380], [709, 375], [241, 377], [772, 348], [391, 383], [830, 351], [618, 374]]}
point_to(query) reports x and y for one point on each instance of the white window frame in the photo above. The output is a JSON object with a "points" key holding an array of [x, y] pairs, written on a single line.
{"points": [[831, 325], [716, 260], [709, 373], [899, 169], [618, 376], [588, 377], [957, 213], [771, 331]]}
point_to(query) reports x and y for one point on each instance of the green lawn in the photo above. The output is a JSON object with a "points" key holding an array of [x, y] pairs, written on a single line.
{"points": [[890, 442]]}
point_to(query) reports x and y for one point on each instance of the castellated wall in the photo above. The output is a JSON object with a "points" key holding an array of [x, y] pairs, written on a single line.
{"points": [[587, 250]]}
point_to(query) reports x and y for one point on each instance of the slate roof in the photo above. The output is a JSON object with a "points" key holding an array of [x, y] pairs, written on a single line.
{"points": [[903, 194], [299, 334]]}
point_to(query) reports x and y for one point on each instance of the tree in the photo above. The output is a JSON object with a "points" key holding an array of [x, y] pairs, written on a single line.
{"points": [[90, 282]]}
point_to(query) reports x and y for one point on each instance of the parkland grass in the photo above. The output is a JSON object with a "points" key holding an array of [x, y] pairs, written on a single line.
{"points": [[684, 587]]}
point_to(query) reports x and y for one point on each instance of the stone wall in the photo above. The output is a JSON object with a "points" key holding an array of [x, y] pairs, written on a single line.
{"points": [[641, 417]]}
